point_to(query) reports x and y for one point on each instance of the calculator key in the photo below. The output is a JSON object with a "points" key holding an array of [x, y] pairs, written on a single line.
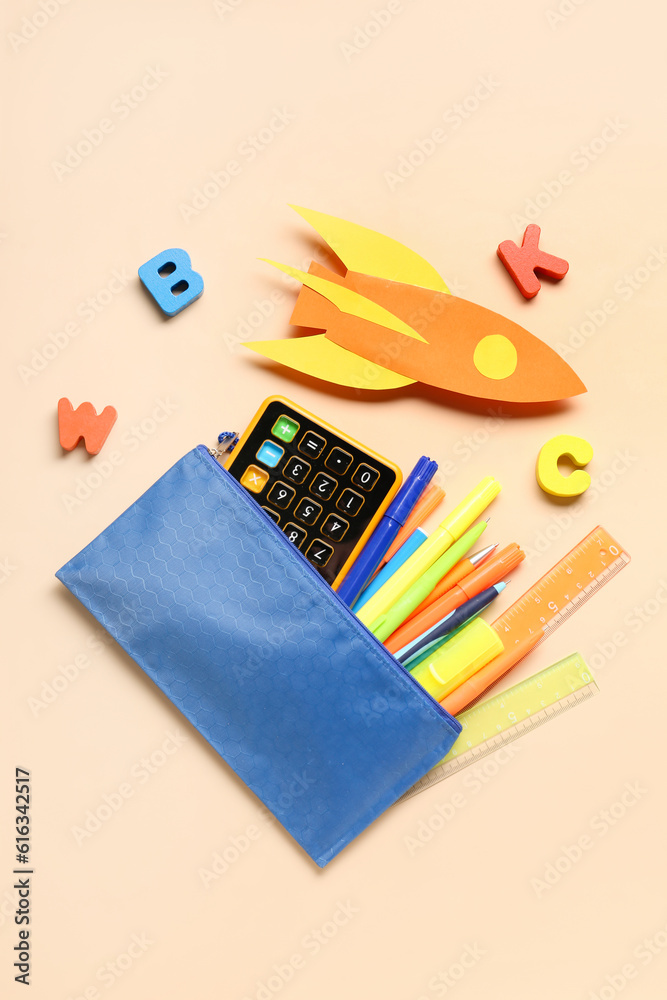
{"points": [[285, 428], [319, 553], [270, 454], [350, 502], [335, 527], [254, 479], [338, 461], [295, 533], [307, 511], [365, 476], [272, 514], [311, 444], [281, 495], [296, 470], [323, 486]]}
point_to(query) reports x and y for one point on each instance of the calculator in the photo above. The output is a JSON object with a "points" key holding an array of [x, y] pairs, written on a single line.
{"points": [[326, 491]]}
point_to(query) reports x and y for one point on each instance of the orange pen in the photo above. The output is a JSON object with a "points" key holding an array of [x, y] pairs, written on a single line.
{"points": [[485, 576], [461, 570], [476, 685]]}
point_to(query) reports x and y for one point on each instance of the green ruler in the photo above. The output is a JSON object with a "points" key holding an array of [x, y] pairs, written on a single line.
{"points": [[493, 723]]}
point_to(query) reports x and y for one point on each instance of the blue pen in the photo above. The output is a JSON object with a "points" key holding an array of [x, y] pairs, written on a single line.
{"points": [[392, 521], [441, 631], [410, 545]]}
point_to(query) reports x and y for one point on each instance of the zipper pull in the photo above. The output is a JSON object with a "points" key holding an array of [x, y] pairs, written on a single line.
{"points": [[227, 441]]}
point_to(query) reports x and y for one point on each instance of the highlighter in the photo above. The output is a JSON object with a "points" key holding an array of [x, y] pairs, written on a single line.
{"points": [[452, 664], [435, 546], [384, 625]]}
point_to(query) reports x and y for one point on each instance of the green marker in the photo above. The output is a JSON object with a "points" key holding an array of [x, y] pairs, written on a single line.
{"points": [[385, 624]]}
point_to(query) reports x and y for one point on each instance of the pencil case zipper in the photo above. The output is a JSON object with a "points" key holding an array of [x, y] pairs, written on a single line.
{"points": [[211, 455]]}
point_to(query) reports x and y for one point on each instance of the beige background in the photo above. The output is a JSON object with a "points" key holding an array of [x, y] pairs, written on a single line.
{"points": [[356, 98]]}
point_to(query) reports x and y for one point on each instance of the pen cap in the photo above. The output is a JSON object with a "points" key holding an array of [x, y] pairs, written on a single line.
{"points": [[452, 664], [471, 507], [411, 490]]}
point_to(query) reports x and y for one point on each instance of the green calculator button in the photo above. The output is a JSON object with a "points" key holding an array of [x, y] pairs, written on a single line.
{"points": [[285, 428]]}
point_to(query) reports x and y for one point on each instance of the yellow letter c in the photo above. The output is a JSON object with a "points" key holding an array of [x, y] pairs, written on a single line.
{"points": [[550, 479]]}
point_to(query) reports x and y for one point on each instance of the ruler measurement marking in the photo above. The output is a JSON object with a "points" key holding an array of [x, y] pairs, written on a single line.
{"points": [[543, 686]]}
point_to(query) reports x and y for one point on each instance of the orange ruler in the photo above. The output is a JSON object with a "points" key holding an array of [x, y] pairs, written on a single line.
{"points": [[561, 591]]}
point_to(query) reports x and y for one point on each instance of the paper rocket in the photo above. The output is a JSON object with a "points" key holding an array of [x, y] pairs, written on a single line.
{"points": [[391, 322]]}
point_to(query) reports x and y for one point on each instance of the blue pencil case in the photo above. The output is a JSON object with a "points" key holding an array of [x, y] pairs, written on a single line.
{"points": [[214, 603]]}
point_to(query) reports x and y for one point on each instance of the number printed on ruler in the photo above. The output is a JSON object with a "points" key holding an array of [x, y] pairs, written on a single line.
{"points": [[567, 585]]}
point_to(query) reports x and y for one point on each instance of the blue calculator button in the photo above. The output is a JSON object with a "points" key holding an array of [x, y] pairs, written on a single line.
{"points": [[270, 454]]}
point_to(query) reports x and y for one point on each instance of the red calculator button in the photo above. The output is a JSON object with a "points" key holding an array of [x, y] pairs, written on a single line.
{"points": [[350, 502], [323, 486], [335, 527], [365, 476], [281, 495], [312, 444], [307, 511], [319, 553], [295, 534], [296, 470]]}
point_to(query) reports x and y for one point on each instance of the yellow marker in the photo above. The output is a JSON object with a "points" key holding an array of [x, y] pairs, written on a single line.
{"points": [[452, 664], [435, 545], [548, 476]]}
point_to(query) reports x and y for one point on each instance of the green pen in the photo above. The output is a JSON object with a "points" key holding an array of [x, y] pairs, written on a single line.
{"points": [[385, 624]]}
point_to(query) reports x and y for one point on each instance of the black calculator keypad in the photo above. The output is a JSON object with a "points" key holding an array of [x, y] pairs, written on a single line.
{"points": [[319, 553], [338, 461], [295, 533], [350, 502], [296, 470], [365, 476], [323, 492], [335, 527], [323, 486], [312, 444], [307, 511], [281, 495]]}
